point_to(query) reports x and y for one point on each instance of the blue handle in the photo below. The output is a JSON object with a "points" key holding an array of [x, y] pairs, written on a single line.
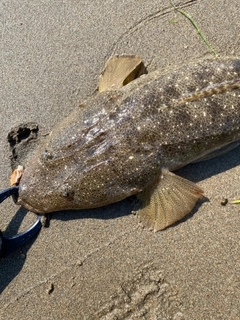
{"points": [[4, 194], [10, 244]]}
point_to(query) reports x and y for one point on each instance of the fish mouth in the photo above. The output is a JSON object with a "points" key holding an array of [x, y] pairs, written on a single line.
{"points": [[28, 206]]}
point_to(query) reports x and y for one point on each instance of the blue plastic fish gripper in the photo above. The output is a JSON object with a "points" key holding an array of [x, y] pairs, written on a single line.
{"points": [[10, 244]]}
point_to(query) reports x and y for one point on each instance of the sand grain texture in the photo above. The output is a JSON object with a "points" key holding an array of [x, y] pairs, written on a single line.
{"points": [[98, 264]]}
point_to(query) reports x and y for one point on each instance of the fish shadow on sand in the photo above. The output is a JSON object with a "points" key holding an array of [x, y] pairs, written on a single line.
{"points": [[205, 169], [111, 211], [11, 265]]}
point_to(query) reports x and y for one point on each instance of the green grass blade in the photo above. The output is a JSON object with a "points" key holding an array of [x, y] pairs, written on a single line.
{"points": [[195, 26]]}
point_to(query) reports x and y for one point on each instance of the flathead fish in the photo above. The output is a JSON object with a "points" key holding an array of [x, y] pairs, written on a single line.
{"points": [[128, 140]]}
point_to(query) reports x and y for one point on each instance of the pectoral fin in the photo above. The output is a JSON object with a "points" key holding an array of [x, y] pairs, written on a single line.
{"points": [[119, 71], [168, 201]]}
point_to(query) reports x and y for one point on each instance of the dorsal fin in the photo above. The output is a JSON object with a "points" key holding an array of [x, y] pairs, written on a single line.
{"points": [[119, 71]]}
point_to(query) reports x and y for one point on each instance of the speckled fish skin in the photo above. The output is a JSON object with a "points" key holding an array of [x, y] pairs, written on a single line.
{"points": [[117, 143]]}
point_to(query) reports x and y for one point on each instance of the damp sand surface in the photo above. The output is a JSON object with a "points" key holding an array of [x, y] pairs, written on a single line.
{"points": [[98, 264]]}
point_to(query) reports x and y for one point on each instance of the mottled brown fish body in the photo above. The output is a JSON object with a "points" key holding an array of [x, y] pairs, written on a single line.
{"points": [[117, 143]]}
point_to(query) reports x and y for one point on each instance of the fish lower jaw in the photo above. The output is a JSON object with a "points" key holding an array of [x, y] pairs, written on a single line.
{"points": [[29, 207]]}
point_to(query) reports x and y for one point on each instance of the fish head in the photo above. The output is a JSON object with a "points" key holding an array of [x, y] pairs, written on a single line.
{"points": [[73, 182], [42, 188], [64, 173]]}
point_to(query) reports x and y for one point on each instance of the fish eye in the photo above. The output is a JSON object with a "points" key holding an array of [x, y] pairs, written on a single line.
{"points": [[46, 155], [66, 191]]}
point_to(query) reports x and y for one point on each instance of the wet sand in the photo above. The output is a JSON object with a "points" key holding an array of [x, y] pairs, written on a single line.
{"points": [[98, 264]]}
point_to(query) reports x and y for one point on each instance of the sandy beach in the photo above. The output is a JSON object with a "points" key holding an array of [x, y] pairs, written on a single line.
{"points": [[99, 264]]}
